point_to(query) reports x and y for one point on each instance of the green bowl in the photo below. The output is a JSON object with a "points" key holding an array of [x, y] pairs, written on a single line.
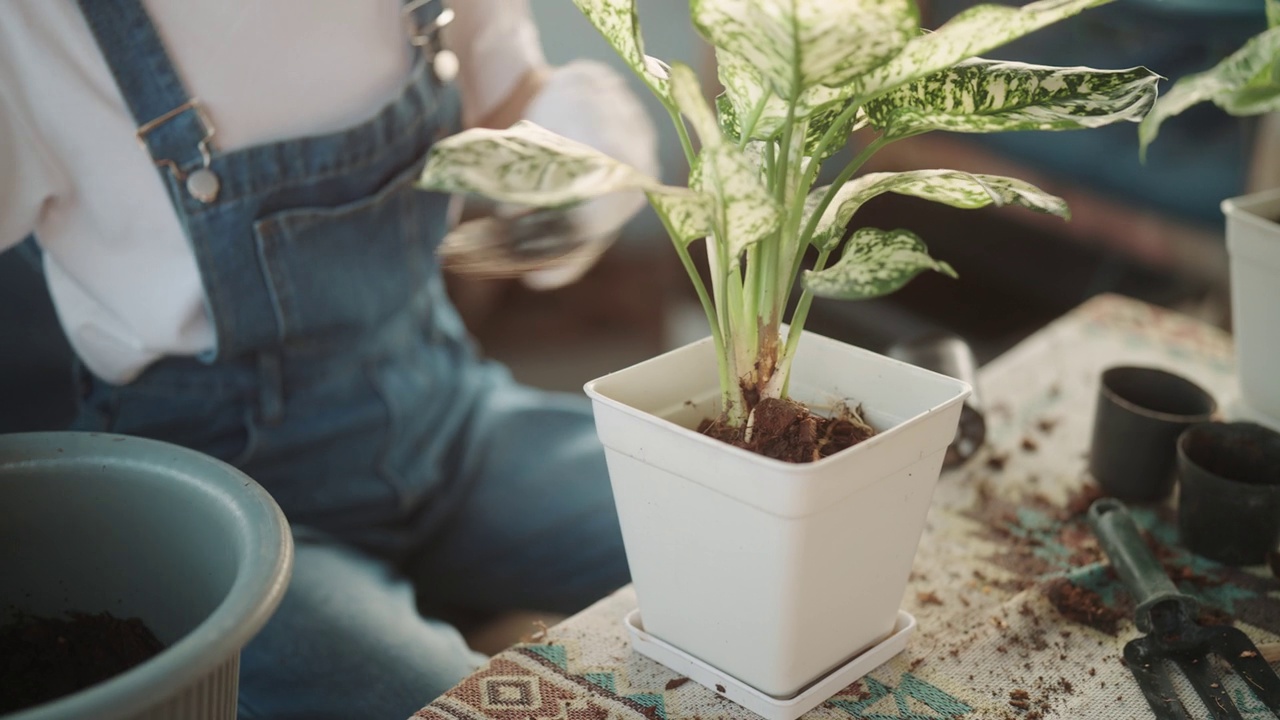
{"points": [[138, 528]]}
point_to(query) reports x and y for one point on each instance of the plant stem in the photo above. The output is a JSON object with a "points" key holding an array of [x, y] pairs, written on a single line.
{"points": [[683, 132], [771, 257], [806, 235], [698, 286], [750, 126], [797, 327], [823, 143]]}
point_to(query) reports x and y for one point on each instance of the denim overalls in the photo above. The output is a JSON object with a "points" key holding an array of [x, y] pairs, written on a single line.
{"points": [[417, 477]]}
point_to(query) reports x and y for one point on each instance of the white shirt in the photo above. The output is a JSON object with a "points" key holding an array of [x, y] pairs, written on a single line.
{"points": [[122, 277]]}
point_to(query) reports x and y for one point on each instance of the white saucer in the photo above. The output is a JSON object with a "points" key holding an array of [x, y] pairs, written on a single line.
{"points": [[768, 706]]}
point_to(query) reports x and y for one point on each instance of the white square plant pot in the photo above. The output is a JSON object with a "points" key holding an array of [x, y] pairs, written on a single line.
{"points": [[1253, 246], [773, 573]]}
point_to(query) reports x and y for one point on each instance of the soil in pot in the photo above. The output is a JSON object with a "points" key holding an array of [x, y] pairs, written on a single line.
{"points": [[45, 658], [787, 430]]}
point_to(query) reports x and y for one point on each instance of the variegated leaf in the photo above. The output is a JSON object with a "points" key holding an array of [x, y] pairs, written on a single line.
{"points": [[1245, 83], [819, 123], [968, 34], [949, 187], [529, 165], [690, 215], [744, 86], [982, 96], [748, 212], [686, 91], [796, 44], [875, 262], [1273, 13], [618, 23]]}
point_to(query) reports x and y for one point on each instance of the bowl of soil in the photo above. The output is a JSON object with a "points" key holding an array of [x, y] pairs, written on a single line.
{"points": [[134, 572]]}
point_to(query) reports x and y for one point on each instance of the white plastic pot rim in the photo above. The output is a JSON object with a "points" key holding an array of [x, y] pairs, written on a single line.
{"points": [[635, 408], [1256, 233]]}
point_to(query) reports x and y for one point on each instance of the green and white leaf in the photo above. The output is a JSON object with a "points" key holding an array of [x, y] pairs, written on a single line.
{"points": [[529, 165], [747, 211], [975, 31], [618, 22], [1273, 13], [817, 126], [949, 187], [744, 89], [689, 215], [797, 44], [686, 91], [1247, 82], [984, 96], [875, 263]]}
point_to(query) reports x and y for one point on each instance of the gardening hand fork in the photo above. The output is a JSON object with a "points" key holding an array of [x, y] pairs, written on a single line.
{"points": [[1169, 619]]}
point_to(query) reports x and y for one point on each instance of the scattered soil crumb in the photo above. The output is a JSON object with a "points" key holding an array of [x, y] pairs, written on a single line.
{"points": [[676, 682], [1029, 444], [1080, 501], [719, 688], [1046, 425], [1083, 606], [928, 598], [859, 692], [997, 461]]}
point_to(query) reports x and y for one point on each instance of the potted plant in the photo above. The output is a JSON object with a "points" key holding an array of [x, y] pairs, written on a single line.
{"points": [[776, 572], [1245, 83]]}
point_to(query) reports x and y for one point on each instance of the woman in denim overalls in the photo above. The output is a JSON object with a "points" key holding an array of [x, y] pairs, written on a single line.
{"points": [[416, 476]]}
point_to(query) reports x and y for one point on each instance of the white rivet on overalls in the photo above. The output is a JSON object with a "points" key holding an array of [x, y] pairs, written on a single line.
{"points": [[445, 65], [203, 185]]}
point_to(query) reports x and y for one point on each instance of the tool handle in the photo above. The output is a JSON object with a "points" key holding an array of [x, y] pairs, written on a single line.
{"points": [[1137, 567]]}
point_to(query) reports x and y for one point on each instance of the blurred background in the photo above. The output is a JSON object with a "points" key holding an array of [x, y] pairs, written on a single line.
{"points": [[1150, 231]]}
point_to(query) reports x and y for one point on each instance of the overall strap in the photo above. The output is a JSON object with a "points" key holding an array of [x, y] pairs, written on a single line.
{"points": [[171, 124]]}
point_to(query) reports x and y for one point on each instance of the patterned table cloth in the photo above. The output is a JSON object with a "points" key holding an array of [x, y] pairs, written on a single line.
{"points": [[1020, 616]]}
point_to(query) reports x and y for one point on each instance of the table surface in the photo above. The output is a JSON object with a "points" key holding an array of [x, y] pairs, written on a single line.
{"points": [[1020, 617]]}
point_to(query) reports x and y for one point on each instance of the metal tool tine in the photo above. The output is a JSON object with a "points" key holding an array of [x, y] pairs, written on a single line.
{"points": [[1208, 684], [1154, 681], [1235, 647]]}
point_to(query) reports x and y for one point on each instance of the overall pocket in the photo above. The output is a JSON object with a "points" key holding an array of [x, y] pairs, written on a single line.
{"points": [[346, 268]]}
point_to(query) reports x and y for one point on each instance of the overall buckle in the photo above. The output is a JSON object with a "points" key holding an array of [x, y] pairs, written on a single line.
{"points": [[444, 62]]}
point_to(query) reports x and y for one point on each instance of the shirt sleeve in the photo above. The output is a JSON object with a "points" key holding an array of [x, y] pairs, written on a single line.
{"points": [[497, 43], [28, 175]]}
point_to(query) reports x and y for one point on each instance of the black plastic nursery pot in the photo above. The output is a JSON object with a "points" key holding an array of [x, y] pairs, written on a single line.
{"points": [[1141, 411], [1229, 491]]}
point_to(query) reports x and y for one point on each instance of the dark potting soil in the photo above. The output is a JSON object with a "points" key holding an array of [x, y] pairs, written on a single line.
{"points": [[43, 658], [787, 430]]}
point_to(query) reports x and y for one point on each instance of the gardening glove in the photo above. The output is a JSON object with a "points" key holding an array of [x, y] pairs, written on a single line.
{"points": [[590, 103]]}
